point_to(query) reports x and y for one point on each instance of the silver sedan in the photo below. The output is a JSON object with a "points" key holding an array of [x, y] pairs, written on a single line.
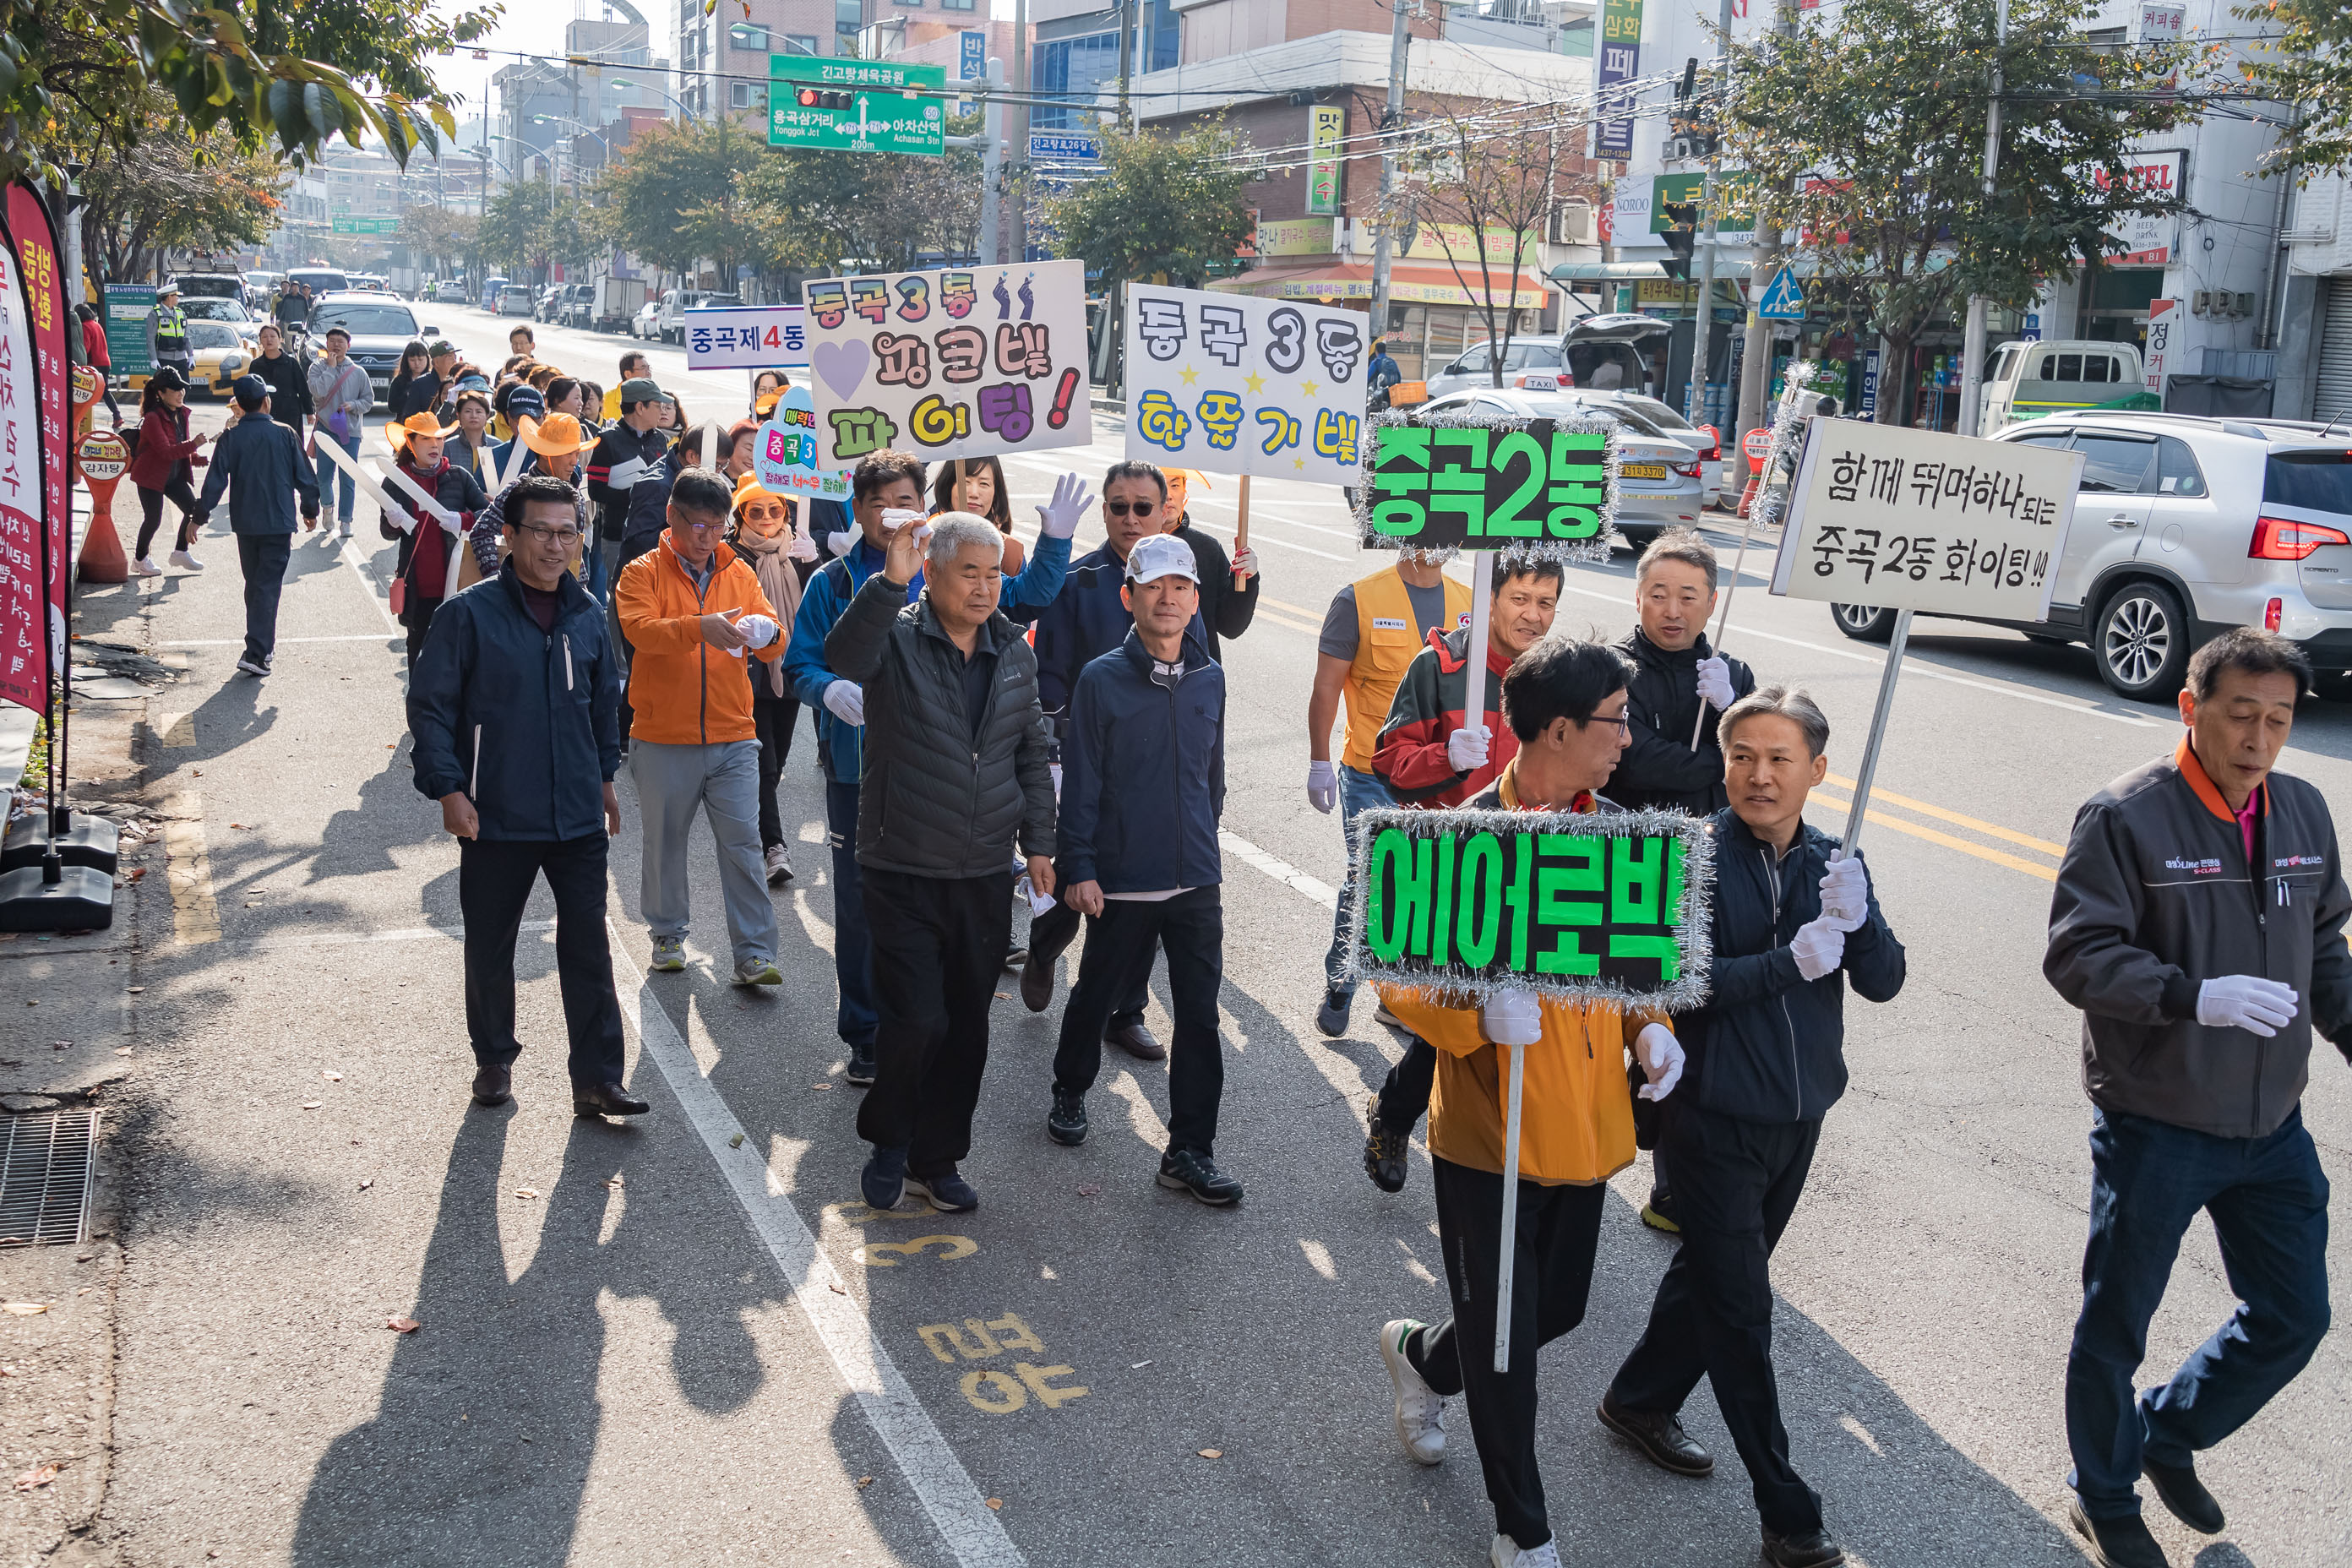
{"points": [[1658, 484]]}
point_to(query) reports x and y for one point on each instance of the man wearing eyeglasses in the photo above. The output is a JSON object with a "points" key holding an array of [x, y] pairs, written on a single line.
{"points": [[522, 768], [1086, 620]]}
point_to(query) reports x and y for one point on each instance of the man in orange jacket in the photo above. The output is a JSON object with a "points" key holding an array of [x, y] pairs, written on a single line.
{"points": [[693, 610], [1565, 702]]}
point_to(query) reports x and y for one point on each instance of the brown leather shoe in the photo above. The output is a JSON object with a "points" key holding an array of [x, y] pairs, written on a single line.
{"points": [[493, 1085], [606, 1099], [1136, 1041]]}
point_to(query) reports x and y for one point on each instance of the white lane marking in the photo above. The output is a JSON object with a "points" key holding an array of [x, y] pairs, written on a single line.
{"points": [[195, 918], [239, 642], [974, 1534], [1925, 672], [1281, 870]]}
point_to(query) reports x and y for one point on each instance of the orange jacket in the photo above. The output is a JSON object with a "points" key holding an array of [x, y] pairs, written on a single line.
{"points": [[686, 692]]}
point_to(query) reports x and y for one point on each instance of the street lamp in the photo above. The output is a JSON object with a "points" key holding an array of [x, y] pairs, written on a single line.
{"points": [[641, 86]]}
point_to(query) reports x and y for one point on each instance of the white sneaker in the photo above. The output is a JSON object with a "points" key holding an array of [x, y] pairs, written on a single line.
{"points": [[346, 528], [1508, 1554], [186, 561], [780, 865], [1419, 1409], [142, 567]]}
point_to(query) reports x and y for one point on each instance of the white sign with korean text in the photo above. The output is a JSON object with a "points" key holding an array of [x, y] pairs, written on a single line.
{"points": [[1918, 520], [746, 337], [1231, 384], [962, 363]]}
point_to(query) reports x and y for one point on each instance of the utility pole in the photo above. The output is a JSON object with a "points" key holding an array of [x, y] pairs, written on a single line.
{"points": [[1020, 235], [1126, 65], [1755, 356], [991, 166], [1695, 394], [1383, 245], [1972, 341]]}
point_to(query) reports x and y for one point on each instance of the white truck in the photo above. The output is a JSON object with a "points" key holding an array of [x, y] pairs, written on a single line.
{"points": [[618, 300], [2034, 379]]}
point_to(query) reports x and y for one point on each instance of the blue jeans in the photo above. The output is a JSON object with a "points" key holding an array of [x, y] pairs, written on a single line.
{"points": [[1358, 792], [2268, 1200], [330, 475], [852, 948]]}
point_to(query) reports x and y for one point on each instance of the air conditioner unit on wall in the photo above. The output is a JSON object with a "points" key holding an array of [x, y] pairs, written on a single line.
{"points": [[1571, 224]]}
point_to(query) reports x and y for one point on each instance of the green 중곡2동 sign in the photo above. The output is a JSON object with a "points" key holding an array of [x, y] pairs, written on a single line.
{"points": [[1488, 485], [1609, 905]]}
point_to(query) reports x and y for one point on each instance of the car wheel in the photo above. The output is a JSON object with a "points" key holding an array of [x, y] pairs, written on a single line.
{"points": [[2142, 642], [1863, 622]]}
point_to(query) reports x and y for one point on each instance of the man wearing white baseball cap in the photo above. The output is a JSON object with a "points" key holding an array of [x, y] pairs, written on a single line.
{"points": [[1143, 783]]}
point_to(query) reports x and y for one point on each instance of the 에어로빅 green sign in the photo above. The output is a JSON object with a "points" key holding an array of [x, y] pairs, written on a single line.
{"points": [[857, 106]]}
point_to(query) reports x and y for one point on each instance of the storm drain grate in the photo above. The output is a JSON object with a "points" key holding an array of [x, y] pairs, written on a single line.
{"points": [[45, 1178]]}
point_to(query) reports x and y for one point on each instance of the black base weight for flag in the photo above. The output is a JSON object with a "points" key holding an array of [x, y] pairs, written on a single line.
{"points": [[91, 841], [81, 899]]}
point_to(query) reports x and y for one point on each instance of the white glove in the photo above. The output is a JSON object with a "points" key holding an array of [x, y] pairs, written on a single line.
{"points": [[1819, 947], [803, 548], [846, 700], [1662, 1058], [758, 631], [1511, 1016], [842, 541], [1845, 894], [1714, 683], [1322, 787], [1246, 562], [2246, 1001], [1465, 749], [1055, 769], [1058, 518]]}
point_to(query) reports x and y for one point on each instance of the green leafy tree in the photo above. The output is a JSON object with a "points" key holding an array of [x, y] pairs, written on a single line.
{"points": [[673, 195], [440, 234], [2310, 67], [1866, 133], [513, 226], [1162, 204], [810, 209], [150, 190]]}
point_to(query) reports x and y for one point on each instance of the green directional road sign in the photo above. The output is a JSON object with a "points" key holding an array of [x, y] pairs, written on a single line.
{"points": [[857, 106], [367, 225]]}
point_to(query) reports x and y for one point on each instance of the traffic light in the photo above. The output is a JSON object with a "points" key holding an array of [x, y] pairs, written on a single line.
{"points": [[1681, 238], [817, 97]]}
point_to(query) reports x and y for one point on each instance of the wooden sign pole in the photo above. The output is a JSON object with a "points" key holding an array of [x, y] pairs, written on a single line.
{"points": [[1241, 532]]}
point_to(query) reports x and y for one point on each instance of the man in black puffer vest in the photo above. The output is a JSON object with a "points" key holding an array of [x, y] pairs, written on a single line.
{"points": [[955, 750]]}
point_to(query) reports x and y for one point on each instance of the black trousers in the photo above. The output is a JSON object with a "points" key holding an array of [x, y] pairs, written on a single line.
{"points": [[1051, 932], [772, 719], [618, 554], [1192, 928], [1735, 1184], [151, 516], [416, 615], [263, 557], [1404, 1093], [1558, 1233], [938, 948], [494, 883]]}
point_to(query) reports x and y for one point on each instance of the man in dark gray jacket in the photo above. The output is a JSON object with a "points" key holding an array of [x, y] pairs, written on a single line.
{"points": [[2198, 924], [955, 753]]}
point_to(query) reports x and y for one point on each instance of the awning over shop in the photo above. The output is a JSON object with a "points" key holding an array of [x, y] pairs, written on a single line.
{"points": [[1408, 284], [1639, 272]]}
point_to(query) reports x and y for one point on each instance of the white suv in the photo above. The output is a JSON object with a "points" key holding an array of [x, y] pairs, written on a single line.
{"points": [[2184, 527]]}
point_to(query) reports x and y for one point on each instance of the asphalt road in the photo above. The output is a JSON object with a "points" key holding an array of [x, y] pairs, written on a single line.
{"points": [[685, 1340]]}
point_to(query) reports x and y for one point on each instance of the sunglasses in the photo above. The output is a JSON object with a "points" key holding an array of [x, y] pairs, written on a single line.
{"points": [[765, 512], [1121, 507]]}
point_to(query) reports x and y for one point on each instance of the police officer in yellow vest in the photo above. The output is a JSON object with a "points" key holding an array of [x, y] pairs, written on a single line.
{"points": [[167, 333], [1370, 633]]}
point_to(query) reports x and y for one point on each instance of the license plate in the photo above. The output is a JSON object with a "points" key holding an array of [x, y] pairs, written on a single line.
{"points": [[1644, 470]]}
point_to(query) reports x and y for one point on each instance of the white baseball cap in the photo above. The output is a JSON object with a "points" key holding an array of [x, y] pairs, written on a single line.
{"points": [[1160, 556]]}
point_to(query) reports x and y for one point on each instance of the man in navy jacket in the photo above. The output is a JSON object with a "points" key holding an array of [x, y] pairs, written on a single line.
{"points": [[265, 460], [515, 705], [1792, 926], [1143, 784]]}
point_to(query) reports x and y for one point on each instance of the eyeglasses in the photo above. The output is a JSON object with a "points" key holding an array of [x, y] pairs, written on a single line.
{"points": [[716, 525], [563, 536], [1624, 723], [1139, 508]]}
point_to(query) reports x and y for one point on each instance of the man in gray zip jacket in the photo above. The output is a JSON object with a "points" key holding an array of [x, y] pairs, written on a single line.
{"points": [[2198, 924], [955, 753]]}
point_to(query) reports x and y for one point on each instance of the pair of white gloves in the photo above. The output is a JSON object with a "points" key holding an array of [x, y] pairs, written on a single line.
{"points": [[1056, 518], [1820, 945], [757, 631], [1514, 1016]]}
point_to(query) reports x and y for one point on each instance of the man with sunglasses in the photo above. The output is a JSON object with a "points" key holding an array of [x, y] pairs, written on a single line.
{"points": [[1086, 620], [523, 771]]}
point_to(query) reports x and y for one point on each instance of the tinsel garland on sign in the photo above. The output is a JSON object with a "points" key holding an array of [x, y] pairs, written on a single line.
{"points": [[1595, 549]]}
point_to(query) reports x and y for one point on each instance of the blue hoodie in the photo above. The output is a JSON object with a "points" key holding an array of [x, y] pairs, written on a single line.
{"points": [[825, 599]]}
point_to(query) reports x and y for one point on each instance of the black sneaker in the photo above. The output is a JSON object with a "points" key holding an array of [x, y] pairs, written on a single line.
{"points": [[860, 1070], [1332, 1018], [883, 1182], [1198, 1174], [1658, 1214], [946, 1192], [1813, 1548], [1066, 1122], [2178, 1487], [1385, 1152], [2120, 1542]]}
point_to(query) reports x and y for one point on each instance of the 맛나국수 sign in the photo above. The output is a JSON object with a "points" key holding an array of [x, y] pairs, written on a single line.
{"points": [[1544, 486], [1917, 520], [1231, 384], [1609, 906], [956, 364], [746, 337]]}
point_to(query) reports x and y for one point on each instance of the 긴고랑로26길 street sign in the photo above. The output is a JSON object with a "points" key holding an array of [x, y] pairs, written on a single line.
{"points": [[1917, 520], [1488, 484]]}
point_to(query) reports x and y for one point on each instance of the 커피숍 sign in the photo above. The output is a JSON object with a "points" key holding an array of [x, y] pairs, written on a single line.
{"points": [[1231, 384], [963, 363], [745, 337], [1606, 905], [1488, 484], [1917, 520]]}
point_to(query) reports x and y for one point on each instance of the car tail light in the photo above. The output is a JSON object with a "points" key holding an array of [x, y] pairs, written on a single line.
{"points": [[2272, 613], [1688, 471], [1714, 453], [2283, 538]]}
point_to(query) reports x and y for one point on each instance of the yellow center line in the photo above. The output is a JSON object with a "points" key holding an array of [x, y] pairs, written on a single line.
{"points": [[2012, 835], [1997, 857]]}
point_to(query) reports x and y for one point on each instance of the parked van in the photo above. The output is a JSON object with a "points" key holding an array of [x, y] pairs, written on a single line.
{"points": [[2032, 380]]}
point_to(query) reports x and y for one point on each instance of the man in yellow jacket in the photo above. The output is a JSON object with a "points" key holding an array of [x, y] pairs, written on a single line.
{"points": [[693, 610], [1565, 702]]}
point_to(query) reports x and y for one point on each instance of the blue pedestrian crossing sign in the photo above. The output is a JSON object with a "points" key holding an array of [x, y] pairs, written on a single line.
{"points": [[1784, 298]]}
